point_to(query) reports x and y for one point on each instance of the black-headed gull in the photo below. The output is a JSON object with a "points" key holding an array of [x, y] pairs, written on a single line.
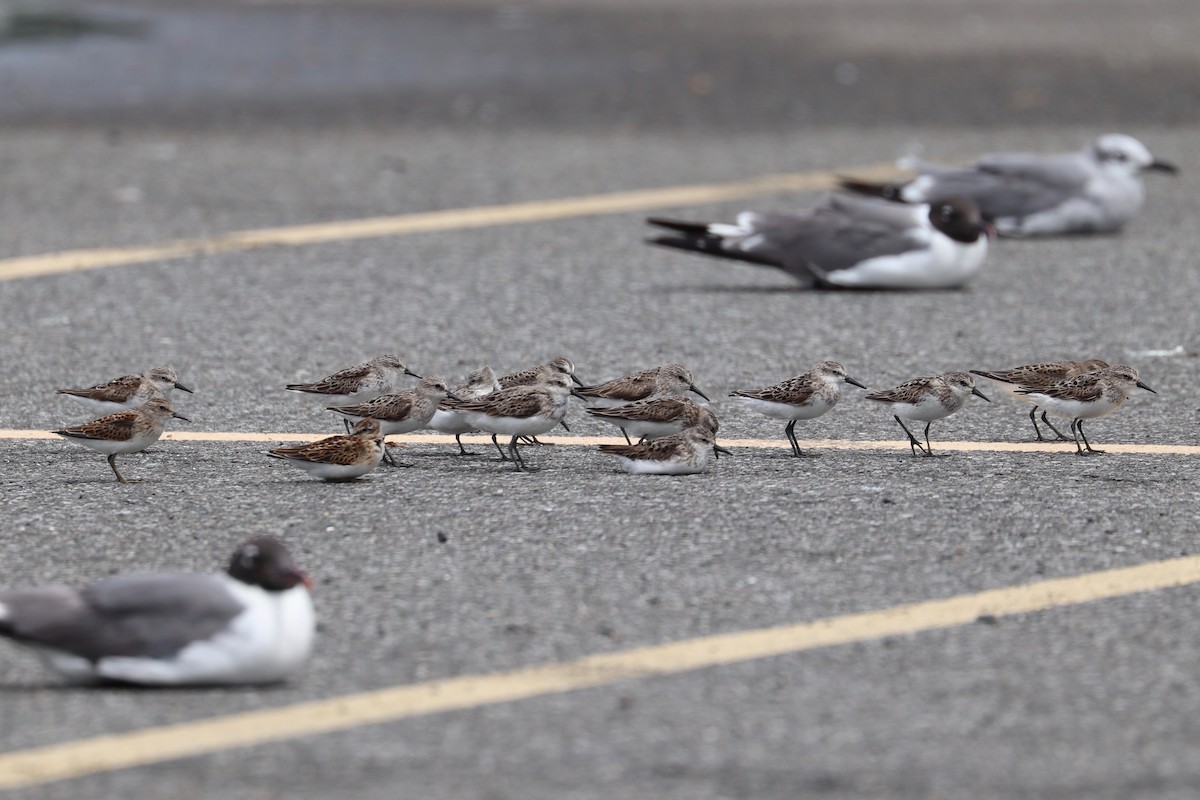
{"points": [[851, 243], [252, 623]]}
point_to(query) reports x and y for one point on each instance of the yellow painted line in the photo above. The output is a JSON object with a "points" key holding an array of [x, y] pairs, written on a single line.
{"points": [[24, 768], [592, 441], [431, 221]]}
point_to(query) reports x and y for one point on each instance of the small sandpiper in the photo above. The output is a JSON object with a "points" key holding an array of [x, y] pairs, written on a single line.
{"points": [[533, 375], [1037, 376], [672, 378], [805, 396], [519, 411], [1087, 396], [401, 412], [683, 453], [927, 399], [651, 419], [480, 383], [127, 391], [129, 431], [338, 458], [360, 382]]}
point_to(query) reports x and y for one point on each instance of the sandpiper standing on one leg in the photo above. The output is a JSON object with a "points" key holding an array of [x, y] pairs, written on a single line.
{"points": [[124, 432]]}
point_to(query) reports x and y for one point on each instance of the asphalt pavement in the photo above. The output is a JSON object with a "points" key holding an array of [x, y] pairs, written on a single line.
{"points": [[194, 119]]}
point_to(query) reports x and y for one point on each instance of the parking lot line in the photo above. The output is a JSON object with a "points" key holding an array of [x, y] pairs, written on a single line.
{"points": [[591, 441], [430, 221], [24, 768]]}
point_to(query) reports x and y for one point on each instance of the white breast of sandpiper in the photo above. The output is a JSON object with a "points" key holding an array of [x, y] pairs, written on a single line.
{"points": [[933, 403]]}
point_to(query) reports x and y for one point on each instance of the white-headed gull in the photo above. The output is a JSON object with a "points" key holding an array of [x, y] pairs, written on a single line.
{"points": [[1095, 190]]}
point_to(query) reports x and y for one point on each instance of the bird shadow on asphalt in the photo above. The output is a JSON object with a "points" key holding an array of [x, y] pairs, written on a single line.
{"points": [[714, 288], [101, 481], [717, 288], [66, 687]]}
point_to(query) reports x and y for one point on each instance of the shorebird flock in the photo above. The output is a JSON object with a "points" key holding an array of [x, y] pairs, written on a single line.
{"points": [[666, 430], [254, 622]]}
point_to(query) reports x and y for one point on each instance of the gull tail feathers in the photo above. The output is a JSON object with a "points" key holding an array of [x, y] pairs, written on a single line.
{"points": [[707, 239], [682, 226]]}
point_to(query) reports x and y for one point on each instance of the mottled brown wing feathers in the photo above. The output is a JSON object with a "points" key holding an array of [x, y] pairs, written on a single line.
{"points": [[522, 378], [334, 450], [345, 382], [118, 390], [630, 389], [1085, 389], [794, 391], [1031, 374], [115, 427], [664, 410], [656, 450], [386, 407], [907, 392], [507, 403]]}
